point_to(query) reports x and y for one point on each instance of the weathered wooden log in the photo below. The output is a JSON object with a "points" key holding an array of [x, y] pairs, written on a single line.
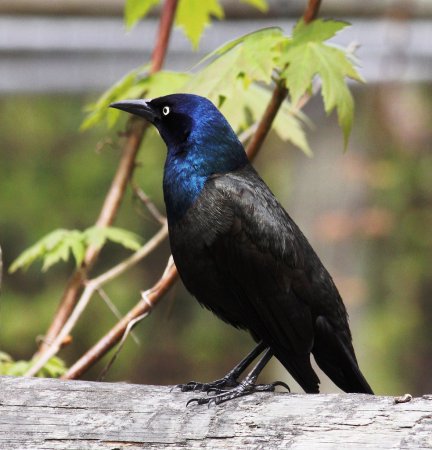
{"points": [[51, 414]]}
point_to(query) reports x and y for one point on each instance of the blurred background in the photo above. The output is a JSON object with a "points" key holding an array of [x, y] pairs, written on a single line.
{"points": [[367, 212]]}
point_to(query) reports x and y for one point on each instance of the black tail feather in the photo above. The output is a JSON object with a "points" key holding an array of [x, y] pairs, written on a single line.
{"points": [[301, 370], [338, 360]]}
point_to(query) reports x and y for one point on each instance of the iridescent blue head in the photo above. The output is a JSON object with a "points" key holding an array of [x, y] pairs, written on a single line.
{"points": [[200, 143]]}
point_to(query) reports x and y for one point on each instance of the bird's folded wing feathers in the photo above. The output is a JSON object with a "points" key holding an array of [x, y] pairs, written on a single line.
{"points": [[255, 248]]}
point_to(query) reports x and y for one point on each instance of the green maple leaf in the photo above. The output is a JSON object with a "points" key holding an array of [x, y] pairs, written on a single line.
{"points": [[136, 10], [194, 15], [307, 55], [288, 123], [228, 80], [97, 236], [98, 110], [261, 5], [60, 244], [318, 30], [249, 58], [158, 84], [133, 85]]}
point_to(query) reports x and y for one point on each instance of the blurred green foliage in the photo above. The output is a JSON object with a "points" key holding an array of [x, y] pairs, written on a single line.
{"points": [[61, 244], [399, 276], [54, 368], [307, 55]]}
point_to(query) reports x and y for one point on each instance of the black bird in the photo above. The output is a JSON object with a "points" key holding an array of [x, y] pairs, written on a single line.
{"points": [[242, 256]]}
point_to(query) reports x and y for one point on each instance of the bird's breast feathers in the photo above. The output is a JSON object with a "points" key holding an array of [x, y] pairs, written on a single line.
{"points": [[239, 205]]}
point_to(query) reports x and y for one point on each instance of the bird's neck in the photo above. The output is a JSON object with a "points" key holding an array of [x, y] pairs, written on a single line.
{"points": [[187, 169]]}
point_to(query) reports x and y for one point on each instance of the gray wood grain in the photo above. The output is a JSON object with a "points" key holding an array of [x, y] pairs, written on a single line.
{"points": [[52, 414]]}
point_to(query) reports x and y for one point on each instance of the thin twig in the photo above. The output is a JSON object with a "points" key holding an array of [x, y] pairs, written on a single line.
{"points": [[245, 135], [113, 308], [148, 301], [311, 11], [265, 124], [118, 187], [152, 208], [128, 331], [150, 245], [304, 99], [91, 287], [165, 27]]}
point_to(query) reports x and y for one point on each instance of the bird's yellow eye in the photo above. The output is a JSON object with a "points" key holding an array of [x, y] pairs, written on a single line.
{"points": [[165, 110]]}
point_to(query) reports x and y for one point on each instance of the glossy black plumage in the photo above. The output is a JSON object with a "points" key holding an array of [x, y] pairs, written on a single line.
{"points": [[242, 256]]}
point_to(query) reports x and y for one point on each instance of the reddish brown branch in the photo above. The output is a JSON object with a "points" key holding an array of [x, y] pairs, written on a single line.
{"points": [[266, 121], [311, 11], [117, 190], [150, 298], [165, 27]]}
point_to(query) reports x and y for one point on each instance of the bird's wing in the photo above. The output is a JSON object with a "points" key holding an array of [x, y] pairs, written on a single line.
{"points": [[255, 248]]}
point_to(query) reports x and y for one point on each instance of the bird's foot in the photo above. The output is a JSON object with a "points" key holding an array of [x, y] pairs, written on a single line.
{"points": [[224, 383], [246, 387]]}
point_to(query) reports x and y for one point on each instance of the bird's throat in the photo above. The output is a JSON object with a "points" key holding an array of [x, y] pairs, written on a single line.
{"points": [[187, 171], [181, 185]]}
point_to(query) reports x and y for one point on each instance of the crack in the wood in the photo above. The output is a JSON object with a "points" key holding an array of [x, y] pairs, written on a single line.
{"points": [[413, 435], [86, 408], [356, 425], [131, 443], [72, 439], [225, 436], [160, 444], [421, 419]]}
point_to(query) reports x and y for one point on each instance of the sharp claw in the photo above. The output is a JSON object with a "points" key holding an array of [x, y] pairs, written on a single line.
{"points": [[282, 384], [222, 395], [216, 390], [215, 386], [190, 386], [192, 400]]}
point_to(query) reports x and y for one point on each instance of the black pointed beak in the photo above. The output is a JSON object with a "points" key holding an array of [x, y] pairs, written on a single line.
{"points": [[138, 107]]}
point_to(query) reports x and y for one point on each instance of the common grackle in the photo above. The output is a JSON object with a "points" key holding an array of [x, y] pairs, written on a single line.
{"points": [[242, 256]]}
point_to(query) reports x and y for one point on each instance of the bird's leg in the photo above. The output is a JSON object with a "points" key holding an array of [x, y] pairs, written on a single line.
{"points": [[230, 379], [247, 386]]}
